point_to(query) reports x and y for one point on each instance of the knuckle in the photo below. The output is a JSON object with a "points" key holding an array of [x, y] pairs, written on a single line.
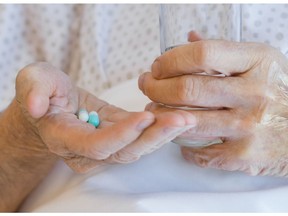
{"points": [[125, 157], [200, 52], [237, 124], [187, 90], [100, 155], [264, 48], [263, 51], [199, 161], [241, 125], [124, 139], [216, 162]]}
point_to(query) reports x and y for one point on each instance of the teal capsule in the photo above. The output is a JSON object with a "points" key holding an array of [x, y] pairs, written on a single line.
{"points": [[94, 119]]}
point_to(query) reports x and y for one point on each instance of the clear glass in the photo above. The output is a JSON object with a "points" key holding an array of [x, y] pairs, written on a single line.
{"points": [[210, 21]]}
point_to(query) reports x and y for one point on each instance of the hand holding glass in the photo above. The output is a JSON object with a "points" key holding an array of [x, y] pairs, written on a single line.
{"points": [[176, 21]]}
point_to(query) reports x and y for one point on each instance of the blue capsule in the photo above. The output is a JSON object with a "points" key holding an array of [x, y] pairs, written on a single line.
{"points": [[94, 119]]}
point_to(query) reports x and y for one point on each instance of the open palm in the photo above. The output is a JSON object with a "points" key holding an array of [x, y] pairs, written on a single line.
{"points": [[121, 137]]}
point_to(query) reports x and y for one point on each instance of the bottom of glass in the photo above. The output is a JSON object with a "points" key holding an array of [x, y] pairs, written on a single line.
{"points": [[195, 143]]}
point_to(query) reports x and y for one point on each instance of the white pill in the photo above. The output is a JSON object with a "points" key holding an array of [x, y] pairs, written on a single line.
{"points": [[83, 115]]}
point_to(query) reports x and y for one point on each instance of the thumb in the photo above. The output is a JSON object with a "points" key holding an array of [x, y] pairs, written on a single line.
{"points": [[194, 36], [37, 101], [34, 87]]}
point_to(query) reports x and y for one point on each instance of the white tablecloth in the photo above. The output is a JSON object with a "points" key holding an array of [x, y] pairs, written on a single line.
{"points": [[160, 182]]}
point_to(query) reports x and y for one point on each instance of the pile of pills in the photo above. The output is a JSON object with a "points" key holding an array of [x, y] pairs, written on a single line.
{"points": [[91, 117]]}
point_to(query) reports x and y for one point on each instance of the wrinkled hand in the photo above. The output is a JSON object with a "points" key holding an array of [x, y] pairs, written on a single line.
{"points": [[49, 102], [249, 106]]}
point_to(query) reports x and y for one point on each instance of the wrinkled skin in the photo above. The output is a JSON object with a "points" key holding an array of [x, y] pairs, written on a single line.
{"points": [[249, 102], [48, 102]]}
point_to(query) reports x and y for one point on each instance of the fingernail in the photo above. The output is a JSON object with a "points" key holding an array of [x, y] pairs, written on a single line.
{"points": [[156, 68], [141, 82], [144, 124]]}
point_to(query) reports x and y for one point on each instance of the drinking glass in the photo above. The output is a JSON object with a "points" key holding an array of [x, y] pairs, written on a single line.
{"points": [[210, 21]]}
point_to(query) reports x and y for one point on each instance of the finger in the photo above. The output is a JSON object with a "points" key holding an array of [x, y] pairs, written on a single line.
{"points": [[166, 128], [110, 119], [91, 102], [32, 94], [116, 116], [225, 57], [203, 91], [37, 101], [193, 36], [68, 134], [230, 156], [220, 156], [211, 123], [36, 84]]}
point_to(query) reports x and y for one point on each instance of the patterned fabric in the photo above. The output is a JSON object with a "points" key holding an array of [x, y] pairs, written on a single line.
{"points": [[102, 45]]}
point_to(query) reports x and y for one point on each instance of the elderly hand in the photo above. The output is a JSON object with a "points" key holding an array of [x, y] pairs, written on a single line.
{"points": [[249, 105], [49, 102]]}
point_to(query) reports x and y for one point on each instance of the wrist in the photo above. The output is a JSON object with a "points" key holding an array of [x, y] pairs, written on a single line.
{"points": [[18, 132], [24, 158]]}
